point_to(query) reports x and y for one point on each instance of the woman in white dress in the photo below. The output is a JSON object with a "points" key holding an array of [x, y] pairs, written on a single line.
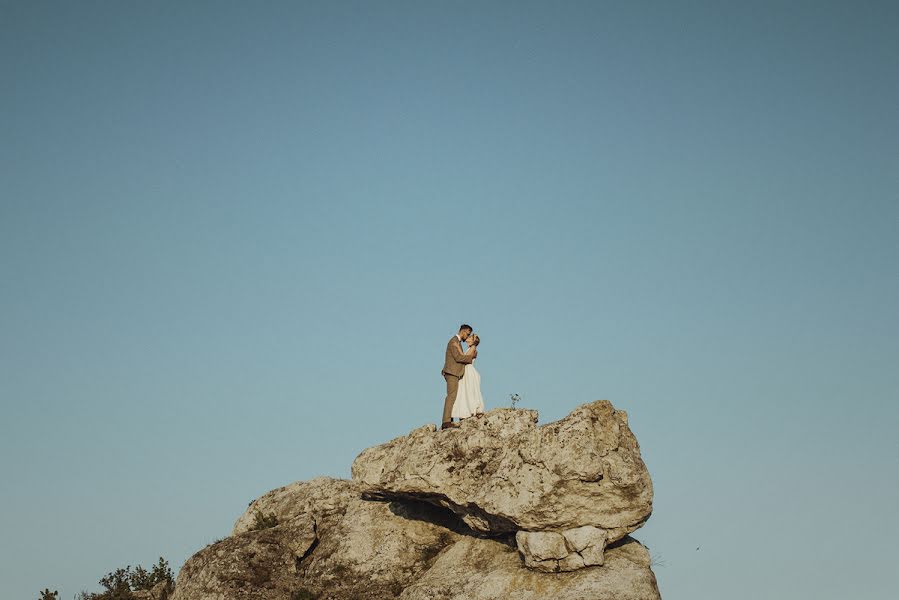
{"points": [[469, 401]]}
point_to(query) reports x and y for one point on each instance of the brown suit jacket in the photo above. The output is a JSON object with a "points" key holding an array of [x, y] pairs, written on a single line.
{"points": [[455, 359]]}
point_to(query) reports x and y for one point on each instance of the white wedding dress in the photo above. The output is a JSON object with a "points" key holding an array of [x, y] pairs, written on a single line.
{"points": [[469, 401]]}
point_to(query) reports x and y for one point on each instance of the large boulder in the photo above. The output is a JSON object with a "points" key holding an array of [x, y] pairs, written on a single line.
{"points": [[499, 508], [324, 541], [327, 542], [486, 569], [502, 473]]}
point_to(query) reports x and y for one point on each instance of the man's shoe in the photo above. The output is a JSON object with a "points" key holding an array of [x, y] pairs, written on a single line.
{"points": [[449, 425]]}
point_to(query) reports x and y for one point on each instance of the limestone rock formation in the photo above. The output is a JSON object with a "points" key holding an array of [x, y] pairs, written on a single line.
{"points": [[484, 569], [501, 473], [327, 541], [332, 539]]}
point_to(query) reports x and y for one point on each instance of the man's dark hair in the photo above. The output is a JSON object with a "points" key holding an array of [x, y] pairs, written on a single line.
{"points": [[466, 326]]}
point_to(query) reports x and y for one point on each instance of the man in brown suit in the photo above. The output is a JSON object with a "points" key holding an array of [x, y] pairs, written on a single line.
{"points": [[453, 369]]}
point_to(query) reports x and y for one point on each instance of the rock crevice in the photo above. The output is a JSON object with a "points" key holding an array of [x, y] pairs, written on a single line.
{"points": [[499, 508], [502, 473]]}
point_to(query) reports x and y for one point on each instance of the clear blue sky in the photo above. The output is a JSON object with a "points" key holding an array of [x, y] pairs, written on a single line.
{"points": [[235, 237]]}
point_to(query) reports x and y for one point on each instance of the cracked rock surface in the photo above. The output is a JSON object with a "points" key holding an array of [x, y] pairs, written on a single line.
{"points": [[483, 569], [379, 537], [327, 540], [502, 473], [330, 544], [569, 550]]}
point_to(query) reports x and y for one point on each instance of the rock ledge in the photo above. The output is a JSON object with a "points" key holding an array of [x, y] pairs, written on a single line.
{"points": [[567, 488], [498, 509]]}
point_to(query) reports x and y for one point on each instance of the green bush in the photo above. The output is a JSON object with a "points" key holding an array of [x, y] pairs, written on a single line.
{"points": [[120, 584]]}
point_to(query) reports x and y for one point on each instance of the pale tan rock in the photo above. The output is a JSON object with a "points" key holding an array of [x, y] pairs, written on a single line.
{"points": [[502, 473], [542, 545], [483, 569], [337, 540], [329, 542], [160, 591], [551, 551], [257, 565], [579, 538], [322, 499], [588, 541], [593, 555], [355, 549], [572, 562]]}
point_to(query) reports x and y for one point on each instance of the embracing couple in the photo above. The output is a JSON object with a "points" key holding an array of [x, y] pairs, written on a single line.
{"points": [[463, 382]]}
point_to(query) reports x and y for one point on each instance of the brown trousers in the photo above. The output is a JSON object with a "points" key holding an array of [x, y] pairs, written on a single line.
{"points": [[452, 387]]}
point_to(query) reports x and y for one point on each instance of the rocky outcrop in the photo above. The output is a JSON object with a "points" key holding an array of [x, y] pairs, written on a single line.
{"points": [[160, 591], [372, 538], [483, 569], [502, 473], [328, 542]]}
